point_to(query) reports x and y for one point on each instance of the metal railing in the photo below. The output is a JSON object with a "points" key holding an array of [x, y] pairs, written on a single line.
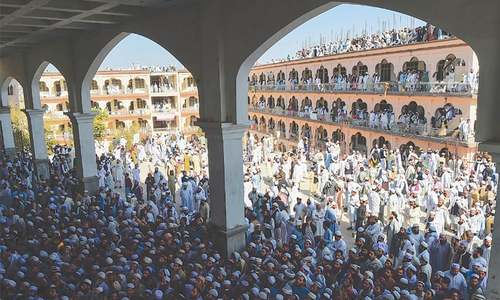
{"points": [[138, 112], [164, 89], [390, 87], [417, 130]]}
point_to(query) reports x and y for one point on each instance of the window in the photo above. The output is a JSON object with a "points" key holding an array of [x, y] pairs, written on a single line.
{"points": [[322, 74], [359, 69], [447, 65], [43, 86], [94, 86], [139, 83], [414, 65], [339, 70], [385, 70]]}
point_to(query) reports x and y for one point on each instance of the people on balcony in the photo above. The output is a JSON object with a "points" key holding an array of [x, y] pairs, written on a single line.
{"points": [[381, 119], [388, 38]]}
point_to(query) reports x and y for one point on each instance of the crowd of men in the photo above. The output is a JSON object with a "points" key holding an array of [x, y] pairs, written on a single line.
{"points": [[421, 225], [387, 38]]}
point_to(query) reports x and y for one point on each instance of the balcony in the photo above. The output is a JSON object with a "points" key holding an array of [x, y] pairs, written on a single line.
{"points": [[126, 112], [439, 135], [162, 89], [391, 88], [54, 115]]}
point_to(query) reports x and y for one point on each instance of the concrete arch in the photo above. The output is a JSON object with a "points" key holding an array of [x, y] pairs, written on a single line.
{"points": [[35, 86], [4, 94]]}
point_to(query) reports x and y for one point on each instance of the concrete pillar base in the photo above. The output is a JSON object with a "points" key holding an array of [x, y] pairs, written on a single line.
{"points": [[90, 184], [10, 152], [228, 241], [42, 168]]}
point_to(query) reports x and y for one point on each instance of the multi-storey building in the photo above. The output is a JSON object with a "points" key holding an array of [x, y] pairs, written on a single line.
{"points": [[320, 98], [371, 97], [155, 101]]}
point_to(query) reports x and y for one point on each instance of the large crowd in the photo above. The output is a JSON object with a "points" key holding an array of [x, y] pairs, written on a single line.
{"points": [[420, 225], [386, 38]]}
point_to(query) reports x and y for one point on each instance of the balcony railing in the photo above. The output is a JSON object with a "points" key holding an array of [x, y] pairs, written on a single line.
{"points": [[159, 109], [418, 88], [122, 112], [162, 89], [418, 130], [193, 108]]}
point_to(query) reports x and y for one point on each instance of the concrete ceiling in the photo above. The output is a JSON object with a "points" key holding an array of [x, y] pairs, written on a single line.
{"points": [[25, 22]]}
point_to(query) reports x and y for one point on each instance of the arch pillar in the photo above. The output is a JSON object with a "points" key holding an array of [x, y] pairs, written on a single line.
{"points": [[6, 134], [493, 290], [38, 145], [85, 161], [224, 143]]}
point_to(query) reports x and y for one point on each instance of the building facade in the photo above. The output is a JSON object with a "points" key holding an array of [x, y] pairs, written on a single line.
{"points": [[154, 101], [420, 95]]}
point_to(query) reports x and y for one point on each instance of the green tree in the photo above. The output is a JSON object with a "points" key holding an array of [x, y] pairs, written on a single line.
{"points": [[20, 128], [100, 123], [128, 134]]}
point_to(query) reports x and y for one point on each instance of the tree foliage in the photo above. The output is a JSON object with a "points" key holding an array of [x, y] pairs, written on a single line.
{"points": [[100, 123], [20, 128]]}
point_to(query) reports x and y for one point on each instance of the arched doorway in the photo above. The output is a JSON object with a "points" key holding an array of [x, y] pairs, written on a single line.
{"points": [[339, 111], [385, 71], [294, 131], [293, 105], [359, 112], [306, 131], [358, 143], [322, 74]]}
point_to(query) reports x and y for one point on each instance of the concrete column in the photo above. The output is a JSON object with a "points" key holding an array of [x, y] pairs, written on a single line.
{"points": [[85, 162], [38, 145], [224, 141], [7, 137], [493, 289]]}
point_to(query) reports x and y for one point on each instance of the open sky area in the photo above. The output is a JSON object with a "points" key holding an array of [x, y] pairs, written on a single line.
{"points": [[339, 22]]}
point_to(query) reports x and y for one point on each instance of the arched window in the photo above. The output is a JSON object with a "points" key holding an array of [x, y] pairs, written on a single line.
{"points": [[262, 78], [339, 70], [294, 130], [338, 136], [322, 74], [271, 124], [414, 65], [306, 75], [358, 143], [282, 128], [359, 109], [405, 149], [43, 86], [270, 78], [280, 78], [94, 86], [446, 66], [306, 102], [139, 83], [280, 102], [382, 106], [385, 70], [270, 102], [293, 104], [306, 131], [255, 79], [293, 75], [359, 69], [321, 134], [321, 103], [381, 143]]}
